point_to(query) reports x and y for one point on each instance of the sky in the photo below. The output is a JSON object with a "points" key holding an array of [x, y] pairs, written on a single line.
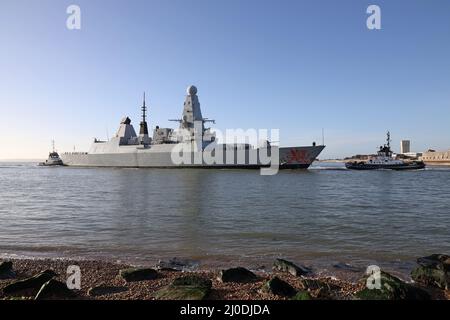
{"points": [[297, 66]]}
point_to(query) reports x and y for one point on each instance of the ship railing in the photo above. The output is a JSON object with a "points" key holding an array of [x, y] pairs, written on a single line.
{"points": [[75, 153]]}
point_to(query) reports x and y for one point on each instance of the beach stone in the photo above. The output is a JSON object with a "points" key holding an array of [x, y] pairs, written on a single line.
{"points": [[279, 287], [318, 288], [433, 270], [289, 267], [190, 287], [103, 290], [6, 270], [54, 289], [134, 274], [392, 288], [240, 275], [34, 282], [176, 264], [314, 284], [302, 295]]}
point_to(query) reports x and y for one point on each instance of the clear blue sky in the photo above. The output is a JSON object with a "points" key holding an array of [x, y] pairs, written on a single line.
{"points": [[299, 66]]}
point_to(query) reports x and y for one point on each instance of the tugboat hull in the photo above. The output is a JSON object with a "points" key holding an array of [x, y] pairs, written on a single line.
{"points": [[367, 166], [51, 164]]}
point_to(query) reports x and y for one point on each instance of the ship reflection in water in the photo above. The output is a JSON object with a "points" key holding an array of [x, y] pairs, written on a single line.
{"points": [[224, 216]]}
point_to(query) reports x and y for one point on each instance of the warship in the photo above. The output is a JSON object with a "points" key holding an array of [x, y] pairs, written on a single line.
{"points": [[192, 145]]}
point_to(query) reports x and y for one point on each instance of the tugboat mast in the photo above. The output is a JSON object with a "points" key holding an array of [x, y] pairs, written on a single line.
{"points": [[389, 140]]}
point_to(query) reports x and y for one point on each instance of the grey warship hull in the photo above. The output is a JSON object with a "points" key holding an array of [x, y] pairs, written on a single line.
{"points": [[290, 158]]}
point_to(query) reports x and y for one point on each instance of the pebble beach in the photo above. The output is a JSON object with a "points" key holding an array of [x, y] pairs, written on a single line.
{"points": [[101, 280]]}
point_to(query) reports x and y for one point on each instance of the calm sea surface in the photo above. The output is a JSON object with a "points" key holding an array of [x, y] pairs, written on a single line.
{"points": [[317, 217]]}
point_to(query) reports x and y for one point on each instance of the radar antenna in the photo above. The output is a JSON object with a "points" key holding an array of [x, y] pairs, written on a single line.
{"points": [[208, 120], [144, 109], [143, 128]]}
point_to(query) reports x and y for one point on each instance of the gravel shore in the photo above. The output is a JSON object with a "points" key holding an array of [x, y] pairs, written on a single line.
{"points": [[101, 273]]}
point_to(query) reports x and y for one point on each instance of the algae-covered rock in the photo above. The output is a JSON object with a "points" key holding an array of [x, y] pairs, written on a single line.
{"points": [[392, 288], [192, 280], [186, 288], [302, 295], [319, 288], [34, 282], [433, 270], [105, 290], [289, 267]]}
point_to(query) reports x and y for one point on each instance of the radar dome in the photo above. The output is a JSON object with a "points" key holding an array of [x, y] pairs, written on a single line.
{"points": [[192, 90]]}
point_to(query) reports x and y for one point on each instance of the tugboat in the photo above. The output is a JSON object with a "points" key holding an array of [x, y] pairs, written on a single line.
{"points": [[53, 158], [385, 160]]}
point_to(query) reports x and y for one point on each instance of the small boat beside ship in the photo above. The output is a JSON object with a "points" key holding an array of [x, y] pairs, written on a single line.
{"points": [[385, 160], [53, 158]]}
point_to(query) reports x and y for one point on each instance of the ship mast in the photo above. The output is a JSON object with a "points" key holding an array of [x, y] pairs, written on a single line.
{"points": [[389, 140], [144, 109], [143, 131], [53, 145], [388, 146]]}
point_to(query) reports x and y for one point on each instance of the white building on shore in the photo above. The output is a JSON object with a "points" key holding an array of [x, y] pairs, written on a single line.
{"points": [[436, 157]]}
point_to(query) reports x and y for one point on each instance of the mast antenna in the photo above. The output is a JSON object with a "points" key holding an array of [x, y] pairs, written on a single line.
{"points": [[323, 137], [53, 145], [144, 130], [144, 109]]}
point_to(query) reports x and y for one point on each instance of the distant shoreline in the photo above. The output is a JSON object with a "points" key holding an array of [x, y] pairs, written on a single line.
{"points": [[332, 161], [22, 160]]}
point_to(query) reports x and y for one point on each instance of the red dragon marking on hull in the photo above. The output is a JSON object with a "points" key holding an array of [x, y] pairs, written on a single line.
{"points": [[298, 156]]}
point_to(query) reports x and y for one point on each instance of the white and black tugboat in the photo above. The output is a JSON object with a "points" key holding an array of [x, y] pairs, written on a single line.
{"points": [[385, 160], [53, 158]]}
